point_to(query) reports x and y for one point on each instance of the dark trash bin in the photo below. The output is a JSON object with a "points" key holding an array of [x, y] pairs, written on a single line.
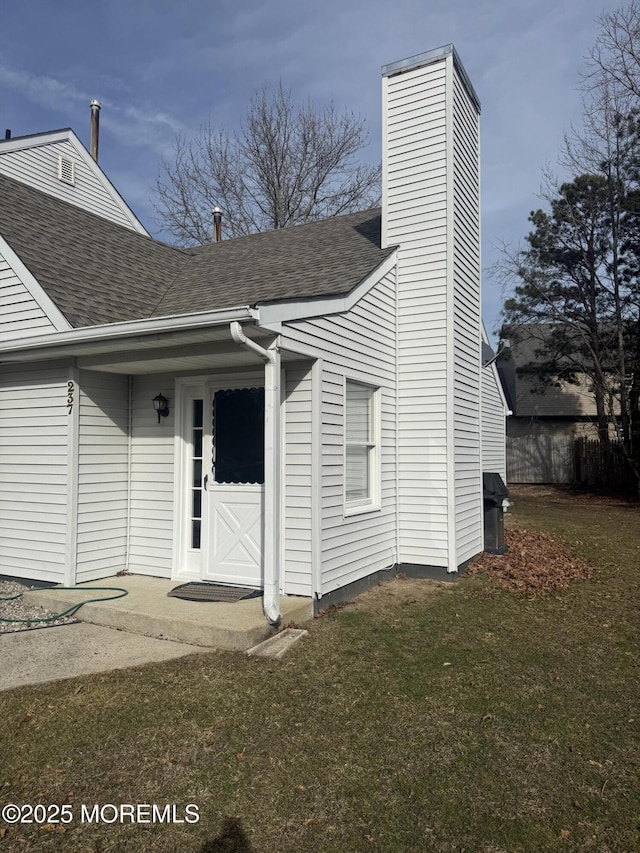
{"points": [[495, 498]]}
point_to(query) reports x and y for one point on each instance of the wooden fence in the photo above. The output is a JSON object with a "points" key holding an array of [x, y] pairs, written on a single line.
{"points": [[540, 458], [564, 459], [595, 468]]}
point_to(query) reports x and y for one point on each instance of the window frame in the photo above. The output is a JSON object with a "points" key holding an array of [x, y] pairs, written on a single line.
{"points": [[372, 502]]}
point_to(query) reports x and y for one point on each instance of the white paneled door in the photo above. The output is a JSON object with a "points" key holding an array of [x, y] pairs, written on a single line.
{"points": [[227, 487], [235, 534]]}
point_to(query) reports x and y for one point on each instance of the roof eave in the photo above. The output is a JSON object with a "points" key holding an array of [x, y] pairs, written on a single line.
{"points": [[39, 344], [274, 313]]}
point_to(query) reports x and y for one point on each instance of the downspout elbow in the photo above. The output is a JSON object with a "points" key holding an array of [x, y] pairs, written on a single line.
{"points": [[237, 333], [271, 608], [239, 337]]}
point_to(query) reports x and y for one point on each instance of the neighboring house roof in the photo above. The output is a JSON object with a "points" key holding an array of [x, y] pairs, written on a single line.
{"points": [[98, 272], [33, 159], [528, 395]]}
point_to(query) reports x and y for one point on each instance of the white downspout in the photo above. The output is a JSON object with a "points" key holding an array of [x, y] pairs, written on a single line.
{"points": [[271, 358]]}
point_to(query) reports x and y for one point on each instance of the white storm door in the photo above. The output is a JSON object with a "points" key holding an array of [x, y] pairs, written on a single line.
{"points": [[233, 485]]}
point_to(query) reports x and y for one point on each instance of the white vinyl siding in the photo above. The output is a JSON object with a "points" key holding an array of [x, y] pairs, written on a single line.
{"points": [[152, 478], [493, 424], [34, 426], [20, 314], [431, 209], [466, 325], [37, 166], [416, 208], [103, 449], [359, 345], [298, 470]]}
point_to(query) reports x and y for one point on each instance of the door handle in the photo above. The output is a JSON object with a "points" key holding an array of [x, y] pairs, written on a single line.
{"points": [[206, 480]]}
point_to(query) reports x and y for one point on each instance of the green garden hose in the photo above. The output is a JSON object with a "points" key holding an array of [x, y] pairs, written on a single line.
{"points": [[118, 589]]}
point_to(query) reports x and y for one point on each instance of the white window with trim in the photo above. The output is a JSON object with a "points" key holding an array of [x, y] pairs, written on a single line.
{"points": [[362, 447]]}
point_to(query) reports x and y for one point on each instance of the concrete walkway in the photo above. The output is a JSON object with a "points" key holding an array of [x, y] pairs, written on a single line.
{"points": [[147, 610], [66, 651]]}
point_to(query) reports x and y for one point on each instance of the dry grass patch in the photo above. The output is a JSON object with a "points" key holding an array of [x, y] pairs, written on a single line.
{"points": [[400, 591], [423, 717]]}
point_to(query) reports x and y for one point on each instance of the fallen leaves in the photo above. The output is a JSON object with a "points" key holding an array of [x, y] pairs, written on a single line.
{"points": [[536, 562]]}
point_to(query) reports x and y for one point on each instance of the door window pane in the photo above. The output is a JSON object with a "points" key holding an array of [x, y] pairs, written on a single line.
{"points": [[195, 533], [197, 414], [196, 469], [197, 443], [196, 509], [238, 435]]}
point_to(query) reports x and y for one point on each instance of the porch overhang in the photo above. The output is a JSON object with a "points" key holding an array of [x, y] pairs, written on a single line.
{"points": [[188, 343]]}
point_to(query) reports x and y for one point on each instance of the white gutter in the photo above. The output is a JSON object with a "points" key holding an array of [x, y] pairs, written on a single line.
{"points": [[271, 358], [130, 328]]}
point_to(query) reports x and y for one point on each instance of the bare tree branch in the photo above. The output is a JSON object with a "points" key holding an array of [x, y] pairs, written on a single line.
{"points": [[287, 165], [614, 60]]}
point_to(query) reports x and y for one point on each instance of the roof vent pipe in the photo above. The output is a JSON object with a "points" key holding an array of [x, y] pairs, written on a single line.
{"points": [[95, 128], [7, 133], [217, 225]]}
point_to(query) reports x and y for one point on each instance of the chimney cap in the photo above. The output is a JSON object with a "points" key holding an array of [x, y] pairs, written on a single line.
{"points": [[95, 104]]}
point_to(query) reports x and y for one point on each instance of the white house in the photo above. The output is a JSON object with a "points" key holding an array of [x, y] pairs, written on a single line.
{"points": [[325, 416]]}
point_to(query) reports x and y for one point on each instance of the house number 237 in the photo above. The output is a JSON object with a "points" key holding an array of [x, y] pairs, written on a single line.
{"points": [[70, 389]]}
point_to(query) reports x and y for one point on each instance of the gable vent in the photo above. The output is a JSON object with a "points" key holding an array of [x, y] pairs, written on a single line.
{"points": [[66, 170]]}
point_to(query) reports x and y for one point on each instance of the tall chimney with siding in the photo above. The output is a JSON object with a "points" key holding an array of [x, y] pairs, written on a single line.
{"points": [[431, 210], [95, 128]]}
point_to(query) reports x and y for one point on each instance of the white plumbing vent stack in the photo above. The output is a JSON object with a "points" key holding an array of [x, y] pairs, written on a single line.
{"points": [[217, 225], [431, 210], [95, 129]]}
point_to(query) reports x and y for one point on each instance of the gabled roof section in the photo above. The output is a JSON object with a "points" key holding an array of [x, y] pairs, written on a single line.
{"points": [[326, 258], [94, 270], [33, 159], [97, 272]]}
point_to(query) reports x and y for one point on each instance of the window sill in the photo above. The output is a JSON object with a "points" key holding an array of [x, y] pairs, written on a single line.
{"points": [[361, 509]]}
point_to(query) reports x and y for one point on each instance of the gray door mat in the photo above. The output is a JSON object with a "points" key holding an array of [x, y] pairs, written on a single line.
{"points": [[199, 591]]}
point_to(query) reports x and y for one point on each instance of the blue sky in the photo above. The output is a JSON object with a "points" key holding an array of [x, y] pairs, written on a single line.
{"points": [[163, 66]]}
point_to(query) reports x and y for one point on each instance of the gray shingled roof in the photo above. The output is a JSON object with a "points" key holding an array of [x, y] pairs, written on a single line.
{"points": [[98, 272], [94, 270], [319, 259]]}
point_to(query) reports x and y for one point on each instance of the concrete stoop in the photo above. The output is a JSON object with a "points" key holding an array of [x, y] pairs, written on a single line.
{"points": [[147, 610]]}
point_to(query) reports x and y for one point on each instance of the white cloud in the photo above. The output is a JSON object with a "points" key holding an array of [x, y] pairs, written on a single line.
{"points": [[43, 90], [134, 126]]}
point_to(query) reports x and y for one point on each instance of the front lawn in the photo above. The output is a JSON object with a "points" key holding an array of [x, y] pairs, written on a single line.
{"points": [[426, 718]]}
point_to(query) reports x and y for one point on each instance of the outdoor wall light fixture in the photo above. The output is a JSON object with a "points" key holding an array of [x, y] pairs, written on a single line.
{"points": [[161, 405]]}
